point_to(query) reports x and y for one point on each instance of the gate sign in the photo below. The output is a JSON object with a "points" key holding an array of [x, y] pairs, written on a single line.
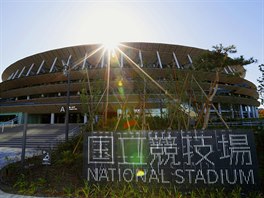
{"points": [[193, 158], [46, 159]]}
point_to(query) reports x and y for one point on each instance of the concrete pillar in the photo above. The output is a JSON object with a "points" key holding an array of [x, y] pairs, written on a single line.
{"points": [[248, 111], [253, 112], [257, 115], [85, 118], [84, 61], [30, 69], [219, 108], [52, 118], [232, 111], [102, 60], [121, 60], [241, 112], [159, 60], [176, 60], [140, 58], [20, 118]]}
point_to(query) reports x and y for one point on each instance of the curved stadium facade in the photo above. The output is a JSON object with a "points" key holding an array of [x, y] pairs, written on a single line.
{"points": [[135, 75]]}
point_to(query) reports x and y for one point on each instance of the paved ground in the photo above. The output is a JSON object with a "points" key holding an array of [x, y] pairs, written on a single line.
{"points": [[39, 137], [5, 195], [9, 155]]}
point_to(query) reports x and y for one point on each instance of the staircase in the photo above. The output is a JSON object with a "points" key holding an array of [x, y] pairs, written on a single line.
{"points": [[39, 136]]}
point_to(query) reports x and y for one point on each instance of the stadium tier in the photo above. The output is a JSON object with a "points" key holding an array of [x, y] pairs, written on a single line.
{"points": [[133, 77]]}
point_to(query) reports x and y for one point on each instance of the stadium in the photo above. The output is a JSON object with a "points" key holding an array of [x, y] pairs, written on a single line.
{"points": [[131, 78]]}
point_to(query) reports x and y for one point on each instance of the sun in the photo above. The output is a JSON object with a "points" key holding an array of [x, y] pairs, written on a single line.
{"points": [[110, 24], [110, 45]]}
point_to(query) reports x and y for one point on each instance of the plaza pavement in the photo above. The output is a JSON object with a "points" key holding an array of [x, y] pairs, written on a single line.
{"points": [[6, 195], [10, 155], [39, 138]]}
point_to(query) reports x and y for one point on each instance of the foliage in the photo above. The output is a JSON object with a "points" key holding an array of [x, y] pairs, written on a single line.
{"points": [[68, 152], [68, 191], [56, 180], [90, 95], [142, 190], [261, 111], [26, 187], [216, 61], [21, 184], [86, 189], [67, 158], [261, 84], [236, 192]]}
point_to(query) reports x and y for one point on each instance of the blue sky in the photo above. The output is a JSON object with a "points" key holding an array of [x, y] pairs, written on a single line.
{"points": [[33, 26]]}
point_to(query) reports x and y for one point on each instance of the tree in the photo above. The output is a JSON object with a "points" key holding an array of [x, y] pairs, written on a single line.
{"points": [[215, 61], [261, 84]]}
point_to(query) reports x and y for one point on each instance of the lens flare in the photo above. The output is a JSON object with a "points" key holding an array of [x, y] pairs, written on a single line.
{"points": [[120, 83], [110, 45], [140, 173]]}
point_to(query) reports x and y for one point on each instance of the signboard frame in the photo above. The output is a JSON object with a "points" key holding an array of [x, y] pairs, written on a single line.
{"points": [[186, 159]]}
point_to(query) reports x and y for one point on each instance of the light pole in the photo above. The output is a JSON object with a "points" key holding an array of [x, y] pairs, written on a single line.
{"points": [[24, 139], [66, 72]]}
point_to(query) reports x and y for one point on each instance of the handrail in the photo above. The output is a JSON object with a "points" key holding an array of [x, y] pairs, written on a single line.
{"points": [[239, 123], [72, 133], [9, 123]]}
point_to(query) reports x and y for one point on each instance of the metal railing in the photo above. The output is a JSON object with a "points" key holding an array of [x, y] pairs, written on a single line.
{"points": [[9, 123], [240, 123], [72, 133]]}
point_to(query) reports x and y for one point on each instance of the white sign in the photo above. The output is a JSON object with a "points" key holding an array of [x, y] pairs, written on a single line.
{"points": [[46, 159], [173, 157], [71, 108], [62, 109]]}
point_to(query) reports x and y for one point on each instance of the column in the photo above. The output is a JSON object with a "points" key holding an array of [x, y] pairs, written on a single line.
{"points": [[52, 118], [29, 70], [85, 118], [84, 61], [253, 112], [176, 60], [190, 59], [121, 60], [256, 112], [53, 65], [257, 115], [19, 118], [159, 60], [241, 112], [219, 108], [232, 111], [140, 58], [21, 72], [40, 67], [102, 60], [11, 76], [248, 111], [15, 74]]}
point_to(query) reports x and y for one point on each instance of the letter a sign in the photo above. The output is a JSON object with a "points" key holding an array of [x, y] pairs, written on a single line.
{"points": [[62, 109]]}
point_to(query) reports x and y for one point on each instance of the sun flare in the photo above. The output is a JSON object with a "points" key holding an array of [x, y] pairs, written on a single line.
{"points": [[110, 24], [110, 45]]}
